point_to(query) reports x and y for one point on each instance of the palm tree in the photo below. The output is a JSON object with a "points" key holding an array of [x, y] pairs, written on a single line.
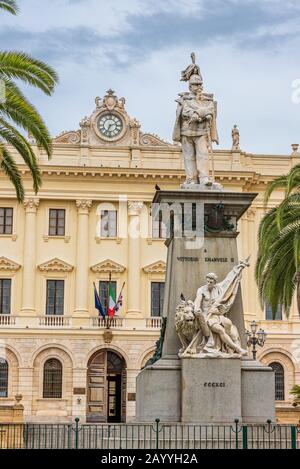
{"points": [[17, 111], [278, 261]]}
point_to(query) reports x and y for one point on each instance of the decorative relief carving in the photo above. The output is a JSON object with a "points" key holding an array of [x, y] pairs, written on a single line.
{"points": [[8, 264], [158, 267], [83, 204], [153, 140], [110, 101], [85, 124], [55, 265], [31, 203], [68, 136], [135, 132], [108, 266], [250, 214], [135, 208]]}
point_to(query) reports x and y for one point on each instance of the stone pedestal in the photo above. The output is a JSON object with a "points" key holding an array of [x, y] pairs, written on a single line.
{"points": [[159, 392], [258, 391], [176, 393], [211, 390]]}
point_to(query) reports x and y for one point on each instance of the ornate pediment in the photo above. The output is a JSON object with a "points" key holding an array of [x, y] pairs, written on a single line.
{"points": [[109, 124], [108, 266], [68, 136], [55, 265], [8, 264], [158, 267]]}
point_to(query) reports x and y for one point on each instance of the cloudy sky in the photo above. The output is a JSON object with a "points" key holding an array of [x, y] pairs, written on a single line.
{"points": [[248, 51]]}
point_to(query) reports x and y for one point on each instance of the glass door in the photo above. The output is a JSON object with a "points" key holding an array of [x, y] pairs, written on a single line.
{"points": [[114, 398]]}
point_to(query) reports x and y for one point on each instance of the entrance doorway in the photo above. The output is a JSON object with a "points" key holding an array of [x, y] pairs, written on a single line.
{"points": [[106, 387]]}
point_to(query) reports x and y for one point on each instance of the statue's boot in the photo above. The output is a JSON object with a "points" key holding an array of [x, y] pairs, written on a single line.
{"points": [[205, 181]]}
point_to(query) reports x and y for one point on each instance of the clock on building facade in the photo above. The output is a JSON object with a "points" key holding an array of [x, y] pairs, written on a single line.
{"points": [[110, 125]]}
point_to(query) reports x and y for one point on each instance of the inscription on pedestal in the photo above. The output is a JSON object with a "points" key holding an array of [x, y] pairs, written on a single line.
{"points": [[211, 390], [218, 259], [214, 385], [187, 259]]}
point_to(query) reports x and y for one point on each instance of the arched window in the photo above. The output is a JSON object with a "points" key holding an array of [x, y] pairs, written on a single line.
{"points": [[3, 378], [279, 380], [52, 384]]}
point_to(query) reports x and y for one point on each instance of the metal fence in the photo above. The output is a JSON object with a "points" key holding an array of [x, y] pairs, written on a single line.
{"points": [[148, 436]]}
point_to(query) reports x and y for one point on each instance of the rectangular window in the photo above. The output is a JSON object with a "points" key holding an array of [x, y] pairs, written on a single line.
{"points": [[57, 219], [159, 229], [55, 297], [157, 298], [5, 295], [6, 220], [108, 223], [269, 315], [103, 292]]}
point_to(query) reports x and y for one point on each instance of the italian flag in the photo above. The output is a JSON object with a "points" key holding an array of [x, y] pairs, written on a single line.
{"points": [[111, 302]]}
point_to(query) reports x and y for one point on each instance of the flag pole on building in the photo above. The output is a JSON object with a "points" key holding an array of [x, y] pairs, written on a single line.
{"points": [[120, 299], [98, 304], [108, 320]]}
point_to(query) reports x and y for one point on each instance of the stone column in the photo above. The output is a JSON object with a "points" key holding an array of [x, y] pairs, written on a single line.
{"points": [[82, 258], [134, 259], [29, 259]]}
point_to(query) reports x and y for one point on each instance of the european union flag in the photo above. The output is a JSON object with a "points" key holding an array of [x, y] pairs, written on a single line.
{"points": [[98, 304]]}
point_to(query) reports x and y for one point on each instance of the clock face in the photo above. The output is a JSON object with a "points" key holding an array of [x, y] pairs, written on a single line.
{"points": [[110, 125]]}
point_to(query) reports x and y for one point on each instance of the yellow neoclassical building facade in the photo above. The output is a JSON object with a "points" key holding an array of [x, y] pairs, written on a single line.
{"points": [[92, 217]]}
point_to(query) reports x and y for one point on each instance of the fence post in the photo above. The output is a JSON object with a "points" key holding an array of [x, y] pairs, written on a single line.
{"points": [[294, 437], [26, 435], [245, 437], [156, 433], [76, 432], [236, 434]]}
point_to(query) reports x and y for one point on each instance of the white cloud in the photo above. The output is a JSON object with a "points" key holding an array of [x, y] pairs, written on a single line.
{"points": [[253, 83]]}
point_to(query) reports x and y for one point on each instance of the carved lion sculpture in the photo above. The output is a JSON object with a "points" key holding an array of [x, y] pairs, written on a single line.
{"points": [[185, 323]]}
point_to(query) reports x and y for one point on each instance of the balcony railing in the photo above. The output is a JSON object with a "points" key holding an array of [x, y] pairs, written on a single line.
{"points": [[67, 322], [7, 320], [107, 322], [54, 321], [154, 322]]}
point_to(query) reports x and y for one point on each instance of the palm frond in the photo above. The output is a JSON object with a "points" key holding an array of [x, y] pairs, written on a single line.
{"points": [[10, 168], [23, 67], [24, 114], [293, 179], [278, 183], [10, 6], [13, 137]]}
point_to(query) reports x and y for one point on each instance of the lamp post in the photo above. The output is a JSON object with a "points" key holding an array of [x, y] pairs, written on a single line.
{"points": [[255, 337]]}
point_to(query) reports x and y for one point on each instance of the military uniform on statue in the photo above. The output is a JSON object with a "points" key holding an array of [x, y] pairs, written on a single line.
{"points": [[203, 374]]}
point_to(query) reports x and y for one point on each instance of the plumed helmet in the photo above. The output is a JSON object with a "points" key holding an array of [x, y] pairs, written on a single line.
{"points": [[195, 80]]}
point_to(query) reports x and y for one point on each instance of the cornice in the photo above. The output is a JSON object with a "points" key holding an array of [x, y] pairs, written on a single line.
{"points": [[145, 173]]}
